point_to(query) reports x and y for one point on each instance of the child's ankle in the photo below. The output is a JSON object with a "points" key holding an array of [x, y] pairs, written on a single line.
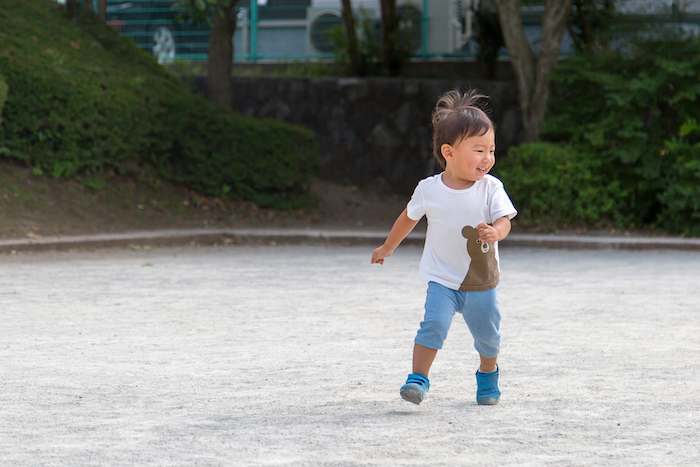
{"points": [[494, 370]]}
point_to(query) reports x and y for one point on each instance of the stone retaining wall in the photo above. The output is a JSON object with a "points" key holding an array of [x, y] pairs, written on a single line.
{"points": [[372, 132]]}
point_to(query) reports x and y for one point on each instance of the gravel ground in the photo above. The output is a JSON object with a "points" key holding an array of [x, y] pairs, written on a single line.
{"points": [[293, 356]]}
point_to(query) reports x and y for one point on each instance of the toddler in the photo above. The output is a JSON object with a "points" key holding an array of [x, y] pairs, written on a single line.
{"points": [[468, 213]]}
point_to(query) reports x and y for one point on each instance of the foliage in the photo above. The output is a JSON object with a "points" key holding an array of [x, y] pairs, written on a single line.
{"points": [[308, 68], [198, 12], [681, 195], [622, 105], [558, 186], [489, 37], [183, 67], [83, 102], [370, 44], [3, 95], [267, 162], [592, 24]]}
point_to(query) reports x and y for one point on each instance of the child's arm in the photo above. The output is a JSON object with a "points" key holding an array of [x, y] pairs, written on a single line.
{"points": [[496, 232], [402, 227]]}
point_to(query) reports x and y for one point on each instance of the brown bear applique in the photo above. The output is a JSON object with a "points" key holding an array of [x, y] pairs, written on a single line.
{"points": [[483, 270]]}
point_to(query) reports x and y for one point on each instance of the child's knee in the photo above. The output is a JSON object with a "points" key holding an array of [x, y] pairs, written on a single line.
{"points": [[487, 339], [432, 333], [488, 348]]}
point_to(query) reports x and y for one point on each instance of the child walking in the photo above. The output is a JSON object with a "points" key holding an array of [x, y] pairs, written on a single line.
{"points": [[468, 213]]}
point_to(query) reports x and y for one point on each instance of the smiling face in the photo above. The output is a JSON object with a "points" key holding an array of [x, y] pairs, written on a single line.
{"points": [[468, 160]]}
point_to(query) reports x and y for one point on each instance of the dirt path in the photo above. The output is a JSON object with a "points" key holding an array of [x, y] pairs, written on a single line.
{"points": [[293, 356]]}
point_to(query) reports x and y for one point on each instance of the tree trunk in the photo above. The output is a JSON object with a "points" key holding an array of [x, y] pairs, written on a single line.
{"points": [[556, 14], [532, 74], [350, 33], [220, 55], [390, 26], [73, 9], [102, 10], [522, 59], [89, 6]]}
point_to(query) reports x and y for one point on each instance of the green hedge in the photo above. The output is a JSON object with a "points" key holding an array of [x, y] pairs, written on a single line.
{"points": [[556, 186], [624, 106], [680, 197], [3, 95], [84, 101], [267, 162]]}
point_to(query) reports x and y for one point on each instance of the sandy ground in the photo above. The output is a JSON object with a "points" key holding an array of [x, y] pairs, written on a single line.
{"points": [[293, 356]]}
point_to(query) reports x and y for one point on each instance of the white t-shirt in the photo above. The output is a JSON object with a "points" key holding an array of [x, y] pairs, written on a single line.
{"points": [[453, 255]]}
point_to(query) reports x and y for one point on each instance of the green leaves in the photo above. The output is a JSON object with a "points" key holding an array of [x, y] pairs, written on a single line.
{"points": [[198, 11], [681, 195], [623, 105], [3, 94], [66, 120], [689, 127], [559, 186]]}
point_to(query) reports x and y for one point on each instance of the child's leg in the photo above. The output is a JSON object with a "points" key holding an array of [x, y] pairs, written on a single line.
{"points": [[417, 383], [423, 358], [488, 365], [483, 316], [439, 309], [440, 306]]}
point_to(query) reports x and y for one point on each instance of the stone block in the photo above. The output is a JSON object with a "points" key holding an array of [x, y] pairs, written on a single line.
{"points": [[370, 130]]}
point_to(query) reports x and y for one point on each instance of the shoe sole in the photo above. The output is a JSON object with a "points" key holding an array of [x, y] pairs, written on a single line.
{"points": [[412, 395], [491, 401]]}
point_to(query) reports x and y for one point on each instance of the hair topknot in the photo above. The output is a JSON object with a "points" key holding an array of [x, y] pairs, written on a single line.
{"points": [[457, 116]]}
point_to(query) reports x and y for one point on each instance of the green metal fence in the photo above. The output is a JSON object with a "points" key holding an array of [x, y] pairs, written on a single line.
{"points": [[289, 29], [301, 29]]}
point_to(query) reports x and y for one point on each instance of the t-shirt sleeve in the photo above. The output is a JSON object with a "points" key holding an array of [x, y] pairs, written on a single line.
{"points": [[416, 206], [500, 204]]}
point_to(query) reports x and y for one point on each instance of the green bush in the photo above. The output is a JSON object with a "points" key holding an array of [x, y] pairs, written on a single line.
{"points": [[681, 196], [267, 162], [558, 186], [622, 105], [369, 42], [84, 101], [3, 95]]}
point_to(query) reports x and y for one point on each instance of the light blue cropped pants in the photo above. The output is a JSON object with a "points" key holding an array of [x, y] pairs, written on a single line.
{"points": [[479, 309]]}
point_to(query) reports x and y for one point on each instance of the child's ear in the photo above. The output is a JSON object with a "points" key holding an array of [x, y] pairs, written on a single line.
{"points": [[446, 151]]}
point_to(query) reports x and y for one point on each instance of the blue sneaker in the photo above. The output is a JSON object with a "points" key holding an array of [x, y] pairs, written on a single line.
{"points": [[415, 388], [488, 390]]}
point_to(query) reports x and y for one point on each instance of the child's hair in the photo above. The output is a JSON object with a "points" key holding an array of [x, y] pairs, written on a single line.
{"points": [[456, 117]]}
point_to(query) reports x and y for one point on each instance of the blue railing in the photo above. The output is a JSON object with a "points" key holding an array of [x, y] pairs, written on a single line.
{"points": [[287, 29], [301, 29]]}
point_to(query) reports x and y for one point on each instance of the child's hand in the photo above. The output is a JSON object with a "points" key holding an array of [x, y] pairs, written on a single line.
{"points": [[487, 233], [494, 233], [379, 254]]}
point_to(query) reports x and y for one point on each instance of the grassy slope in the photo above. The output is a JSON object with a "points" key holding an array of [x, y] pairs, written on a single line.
{"points": [[32, 202], [84, 101], [79, 73]]}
